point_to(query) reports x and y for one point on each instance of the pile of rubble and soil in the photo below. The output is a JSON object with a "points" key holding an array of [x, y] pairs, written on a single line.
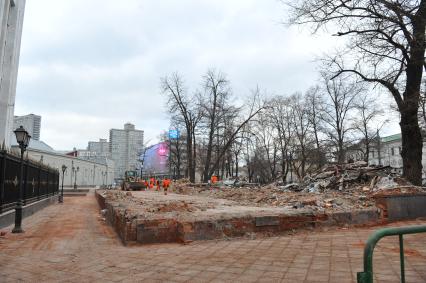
{"points": [[337, 195], [336, 187]]}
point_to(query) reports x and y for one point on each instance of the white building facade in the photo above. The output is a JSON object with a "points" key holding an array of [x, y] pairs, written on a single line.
{"points": [[126, 146], [11, 21], [31, 123], [83, 173], [387, 152]]}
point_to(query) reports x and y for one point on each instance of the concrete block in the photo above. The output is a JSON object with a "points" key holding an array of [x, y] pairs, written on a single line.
{"points": [[267, 221], [402, 207]]}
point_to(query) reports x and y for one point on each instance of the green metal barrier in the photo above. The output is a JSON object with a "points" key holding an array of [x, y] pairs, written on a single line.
{"points": [[367, 275]]}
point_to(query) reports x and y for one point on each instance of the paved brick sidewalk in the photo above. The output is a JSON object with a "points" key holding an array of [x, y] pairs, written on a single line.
{"points": [[70, 243]]}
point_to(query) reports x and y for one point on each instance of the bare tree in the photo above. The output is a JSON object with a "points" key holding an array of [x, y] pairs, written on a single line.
{"points": [[280, 116], [339, 98], [214, 102], [314, 102], [385, 46], [366, 123], [267, 144], [248, 150], [302, 128], [252, 108], [185, 111]]}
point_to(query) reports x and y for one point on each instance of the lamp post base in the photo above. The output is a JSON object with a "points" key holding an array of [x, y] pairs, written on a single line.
{"points": [[18, 219], [60, 199], [17, 230]]}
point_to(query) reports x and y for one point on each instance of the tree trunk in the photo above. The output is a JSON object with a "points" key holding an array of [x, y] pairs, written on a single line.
{"points": [[412, 146], [412, 142], [194, 157], [341, 153], [236, 166], [189, 156], [367, 151]]}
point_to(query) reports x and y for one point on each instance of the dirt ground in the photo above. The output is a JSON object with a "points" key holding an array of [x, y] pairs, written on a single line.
{"points": [[69, 242], [153, 204]]}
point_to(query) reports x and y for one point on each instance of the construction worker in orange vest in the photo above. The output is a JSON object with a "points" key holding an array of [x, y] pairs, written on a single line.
{"points": [[166, 183], [214, 179]]}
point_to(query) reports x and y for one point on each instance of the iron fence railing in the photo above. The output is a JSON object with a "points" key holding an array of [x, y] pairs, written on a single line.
{"points": [[39, 181], [367, 275]]}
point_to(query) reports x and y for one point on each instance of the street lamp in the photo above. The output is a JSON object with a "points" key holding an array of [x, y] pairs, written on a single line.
{"points": [[61, 197], [75, 179], [23, 139]]}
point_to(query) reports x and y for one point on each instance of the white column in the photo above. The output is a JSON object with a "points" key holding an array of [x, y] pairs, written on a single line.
{"points": [[9, 51]]}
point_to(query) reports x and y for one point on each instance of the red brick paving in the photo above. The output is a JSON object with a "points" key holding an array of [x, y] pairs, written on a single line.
{"points": [[70, 243]]}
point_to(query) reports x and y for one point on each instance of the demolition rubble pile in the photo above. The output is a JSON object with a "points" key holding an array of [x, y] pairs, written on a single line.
{"points": [[335, 187]]}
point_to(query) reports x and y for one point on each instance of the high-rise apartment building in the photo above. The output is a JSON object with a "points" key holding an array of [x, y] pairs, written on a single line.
{"points": [[11, 20], [31, 123], [100, 148], [126, 146]]}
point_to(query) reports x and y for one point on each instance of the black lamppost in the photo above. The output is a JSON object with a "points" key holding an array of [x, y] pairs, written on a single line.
{"points": [[75, 179], [23, 139], [61, 197]]}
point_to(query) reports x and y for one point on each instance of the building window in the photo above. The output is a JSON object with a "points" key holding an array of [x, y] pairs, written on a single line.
{"points": [[392, 151]]}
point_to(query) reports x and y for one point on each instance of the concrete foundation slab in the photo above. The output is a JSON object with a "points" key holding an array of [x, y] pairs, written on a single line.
{"points": [[148, 217]]}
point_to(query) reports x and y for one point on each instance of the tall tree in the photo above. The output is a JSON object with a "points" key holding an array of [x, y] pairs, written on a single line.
{"points": [[385, 46], [253, 106], [214, 102], [339, 99], [314, 102], [267, 144], [366, 121], [280, 116], [183, 109], [302, 129]]}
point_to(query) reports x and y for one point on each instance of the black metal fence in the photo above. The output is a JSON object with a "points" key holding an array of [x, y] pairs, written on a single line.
{"points": [[39, 181]]}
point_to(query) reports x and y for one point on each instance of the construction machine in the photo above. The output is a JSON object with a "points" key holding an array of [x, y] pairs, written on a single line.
{"points": [[131, 183]]}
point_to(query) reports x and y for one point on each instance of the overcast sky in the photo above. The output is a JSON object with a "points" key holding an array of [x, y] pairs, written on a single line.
{"points": [[89, 66]]}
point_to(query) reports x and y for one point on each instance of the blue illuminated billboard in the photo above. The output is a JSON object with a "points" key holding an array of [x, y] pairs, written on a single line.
{"points": [[174, 134]]}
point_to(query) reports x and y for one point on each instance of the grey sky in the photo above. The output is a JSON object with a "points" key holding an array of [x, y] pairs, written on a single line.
{"points": [[88, 66]]}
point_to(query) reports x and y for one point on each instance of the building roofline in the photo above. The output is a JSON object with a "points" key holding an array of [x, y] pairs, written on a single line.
{"points": [[60, 155]]}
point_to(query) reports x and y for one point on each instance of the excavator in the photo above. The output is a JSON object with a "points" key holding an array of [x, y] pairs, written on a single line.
{"points": [[131, 183]]}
